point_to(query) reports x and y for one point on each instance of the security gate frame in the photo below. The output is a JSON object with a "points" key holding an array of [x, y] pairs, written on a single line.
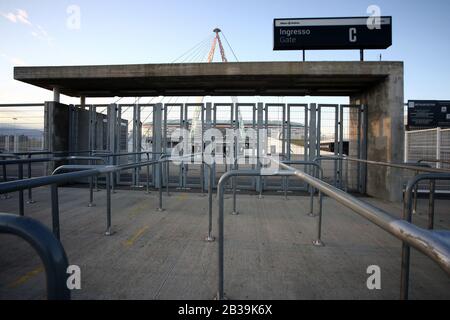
{"points": [[260, 118], [266, 182], [290, 108], [181, 125], [361, 147], [337, 173]]}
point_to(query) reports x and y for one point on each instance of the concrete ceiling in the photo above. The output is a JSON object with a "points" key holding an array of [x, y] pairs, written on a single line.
{"points": [[214, 79]]}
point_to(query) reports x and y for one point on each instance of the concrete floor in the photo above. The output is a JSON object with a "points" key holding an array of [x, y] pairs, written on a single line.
{"points": [[268, 250]]}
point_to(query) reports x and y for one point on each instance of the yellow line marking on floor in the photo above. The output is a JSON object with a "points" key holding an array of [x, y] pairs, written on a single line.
{"points": [[134, 238], [26, 277]]}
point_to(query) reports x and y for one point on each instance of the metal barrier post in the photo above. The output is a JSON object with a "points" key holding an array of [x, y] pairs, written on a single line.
{"points": [[108, 204], [21, 204], [91, 193], [160, 176], [210, 237], [30, 192], [311, 202], [431, 205], [148, 179], [55, 210], [234, 212]]}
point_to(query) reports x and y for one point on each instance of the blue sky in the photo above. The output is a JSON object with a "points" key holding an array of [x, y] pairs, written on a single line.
{"points": [[116, 32]]}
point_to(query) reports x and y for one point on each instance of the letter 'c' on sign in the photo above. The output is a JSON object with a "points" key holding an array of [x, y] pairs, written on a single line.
{"points": [[352, 33]]}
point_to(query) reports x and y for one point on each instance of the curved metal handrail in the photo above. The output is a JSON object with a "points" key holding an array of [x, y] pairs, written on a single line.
{"points": [[49, 249], [407, 216], [435, 245]]}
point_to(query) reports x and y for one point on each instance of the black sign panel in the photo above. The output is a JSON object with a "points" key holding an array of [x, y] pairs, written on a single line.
{"points": [[428, 114], [333, 33]]}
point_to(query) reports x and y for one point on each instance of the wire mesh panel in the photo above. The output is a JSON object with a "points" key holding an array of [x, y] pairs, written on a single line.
{"points": [[445, 149], [421, 145], [194, 118], [327, 123], [125, 141], [297, 139], [246, 130], [223, 119], [430, 147], [173, 123], [350, 144]]}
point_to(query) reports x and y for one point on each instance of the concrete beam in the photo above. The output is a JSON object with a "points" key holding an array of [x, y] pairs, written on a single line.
{"points": [[225, 79]]}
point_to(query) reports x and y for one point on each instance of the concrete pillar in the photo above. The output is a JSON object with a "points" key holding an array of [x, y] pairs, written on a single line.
{"points": [[83, 102], [56, 94], [385, 133]]}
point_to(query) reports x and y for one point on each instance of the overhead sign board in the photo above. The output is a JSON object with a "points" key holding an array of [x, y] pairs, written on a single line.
{"points": [[428, 114], [333, 33]]}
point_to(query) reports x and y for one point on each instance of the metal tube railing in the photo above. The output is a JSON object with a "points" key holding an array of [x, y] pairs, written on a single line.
{"points": [[48, 248], [407, 216], [29, 161], [166, 159], [312, 191], [435, 245], [85, 172]]}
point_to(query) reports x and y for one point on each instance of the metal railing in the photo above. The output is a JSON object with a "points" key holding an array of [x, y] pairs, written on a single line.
{"points": [[49, 249], [29, 161], [407, 216], [89, 171], [86, 171], [435, 245]]}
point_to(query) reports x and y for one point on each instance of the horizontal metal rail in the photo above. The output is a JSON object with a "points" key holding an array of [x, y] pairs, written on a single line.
{"points": [[22, 105], [49, 249], [435, 245], [417, 168], [20, 162], [433, 161]]}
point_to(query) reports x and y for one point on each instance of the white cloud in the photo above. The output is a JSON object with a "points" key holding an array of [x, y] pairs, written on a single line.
{"points": [[20, 16], [10, 16]]}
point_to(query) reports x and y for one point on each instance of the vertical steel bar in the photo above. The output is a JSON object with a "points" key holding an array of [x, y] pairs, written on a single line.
{"points": [[341, 144], [210, 237], [108, 204], [220, 293], [431, 205], [148, 179], [318, 242], [55, 210], [160, 208], [21, 204], [30, 191], [337, 121], [234, 212], [91, 192], [406, 251]]}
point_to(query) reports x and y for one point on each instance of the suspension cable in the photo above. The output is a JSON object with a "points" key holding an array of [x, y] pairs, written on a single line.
{"points": [[232, 51]]}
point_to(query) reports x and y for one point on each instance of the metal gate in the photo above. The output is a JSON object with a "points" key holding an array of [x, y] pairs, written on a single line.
{"points": [[295, 132]]}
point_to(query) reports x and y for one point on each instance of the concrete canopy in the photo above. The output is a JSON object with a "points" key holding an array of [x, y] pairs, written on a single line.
{"points": [[214, 79]]}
